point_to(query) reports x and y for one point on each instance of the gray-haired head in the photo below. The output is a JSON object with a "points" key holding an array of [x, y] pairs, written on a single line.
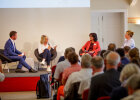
{"points": [[134, 82], [97, 62], [86, 61], [113, 59], [128, 71]]}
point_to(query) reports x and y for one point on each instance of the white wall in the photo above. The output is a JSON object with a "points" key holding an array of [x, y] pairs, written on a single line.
{"points": [[135, 10], [136, 29], [65, 27]]}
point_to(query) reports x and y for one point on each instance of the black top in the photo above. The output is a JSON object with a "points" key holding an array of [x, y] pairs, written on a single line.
{"points": [[103, 85], [91, 47]]}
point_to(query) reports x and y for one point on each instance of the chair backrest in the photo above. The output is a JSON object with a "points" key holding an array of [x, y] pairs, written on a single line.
{"points": [[85, 94], [73, 92], [3, 58], [53, 54], [104, 98], [37, 55], [1, 51]]}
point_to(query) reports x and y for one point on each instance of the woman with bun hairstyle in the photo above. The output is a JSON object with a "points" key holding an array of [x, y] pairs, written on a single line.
{"points": [[129, 41]]}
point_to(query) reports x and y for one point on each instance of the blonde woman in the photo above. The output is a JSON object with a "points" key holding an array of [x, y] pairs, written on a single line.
{"points": [[129, 41], [44, 51]]}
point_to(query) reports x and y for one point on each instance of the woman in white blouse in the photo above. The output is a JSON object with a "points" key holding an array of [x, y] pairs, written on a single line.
{"points": [[44, 51], [129, 41]]}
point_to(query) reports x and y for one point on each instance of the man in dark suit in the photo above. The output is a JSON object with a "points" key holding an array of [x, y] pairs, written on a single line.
{"points": [[12, 53], [102, 85]]}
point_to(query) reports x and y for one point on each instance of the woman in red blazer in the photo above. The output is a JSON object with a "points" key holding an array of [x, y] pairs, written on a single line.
{"points": [[92, 47]]}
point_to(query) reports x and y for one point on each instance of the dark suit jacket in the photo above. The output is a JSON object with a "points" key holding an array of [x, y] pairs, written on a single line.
{"points": [[9, 49], [102, 85]]}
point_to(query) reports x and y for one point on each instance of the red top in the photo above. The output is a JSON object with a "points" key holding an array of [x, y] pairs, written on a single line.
{"points": [[96, 47]]}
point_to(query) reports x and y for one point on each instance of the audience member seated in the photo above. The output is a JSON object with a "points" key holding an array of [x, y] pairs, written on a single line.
{"points": [[102, 85], [136, 61], [97, 64], [102, 53], [83, 74], [44, 51], [126, 51], [111, 47], [104, 57], [2, 76], [91, 47], [127, 72], [134, 53], [134, 56], [129, 41], [62, 58], [60, 67], [12, 53], [133, 86], [124, 60], [73, 59]]}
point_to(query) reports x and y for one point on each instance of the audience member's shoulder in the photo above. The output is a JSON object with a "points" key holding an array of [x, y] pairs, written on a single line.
{"points": [[60, 63], [97, 77], [74, 74]]}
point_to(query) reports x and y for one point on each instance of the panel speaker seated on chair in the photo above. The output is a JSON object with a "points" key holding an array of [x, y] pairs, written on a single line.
{"points": [[44, 51], [12, 53]]}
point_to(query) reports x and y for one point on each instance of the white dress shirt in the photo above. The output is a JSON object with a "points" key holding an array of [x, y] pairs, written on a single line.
{"points": [[2, 77], [83, 74], [130, 43], [13, 44], [60, 67], [85, 84]]}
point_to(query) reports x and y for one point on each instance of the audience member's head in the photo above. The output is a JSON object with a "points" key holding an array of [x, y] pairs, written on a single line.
{"points": [[136, 61], [106, 53], [97, 63], [128, 71], [86, 61], [13, 35], [102, 53], [134, 53], [127, 49], [73, 49], [133, 84], [67, 51], [129, 34], [44, 39], [93, 36], [112, 60], [73, 58], [120, 51], [112, 47]]}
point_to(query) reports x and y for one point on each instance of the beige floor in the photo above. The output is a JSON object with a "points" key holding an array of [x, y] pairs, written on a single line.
{"points": [[19, 96]]}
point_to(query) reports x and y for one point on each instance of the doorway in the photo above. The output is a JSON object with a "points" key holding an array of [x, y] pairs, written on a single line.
{"points": [[110, 27]]}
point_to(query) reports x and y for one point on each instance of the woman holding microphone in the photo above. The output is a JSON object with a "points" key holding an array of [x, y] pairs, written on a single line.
{"points": [[44, 51]]}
